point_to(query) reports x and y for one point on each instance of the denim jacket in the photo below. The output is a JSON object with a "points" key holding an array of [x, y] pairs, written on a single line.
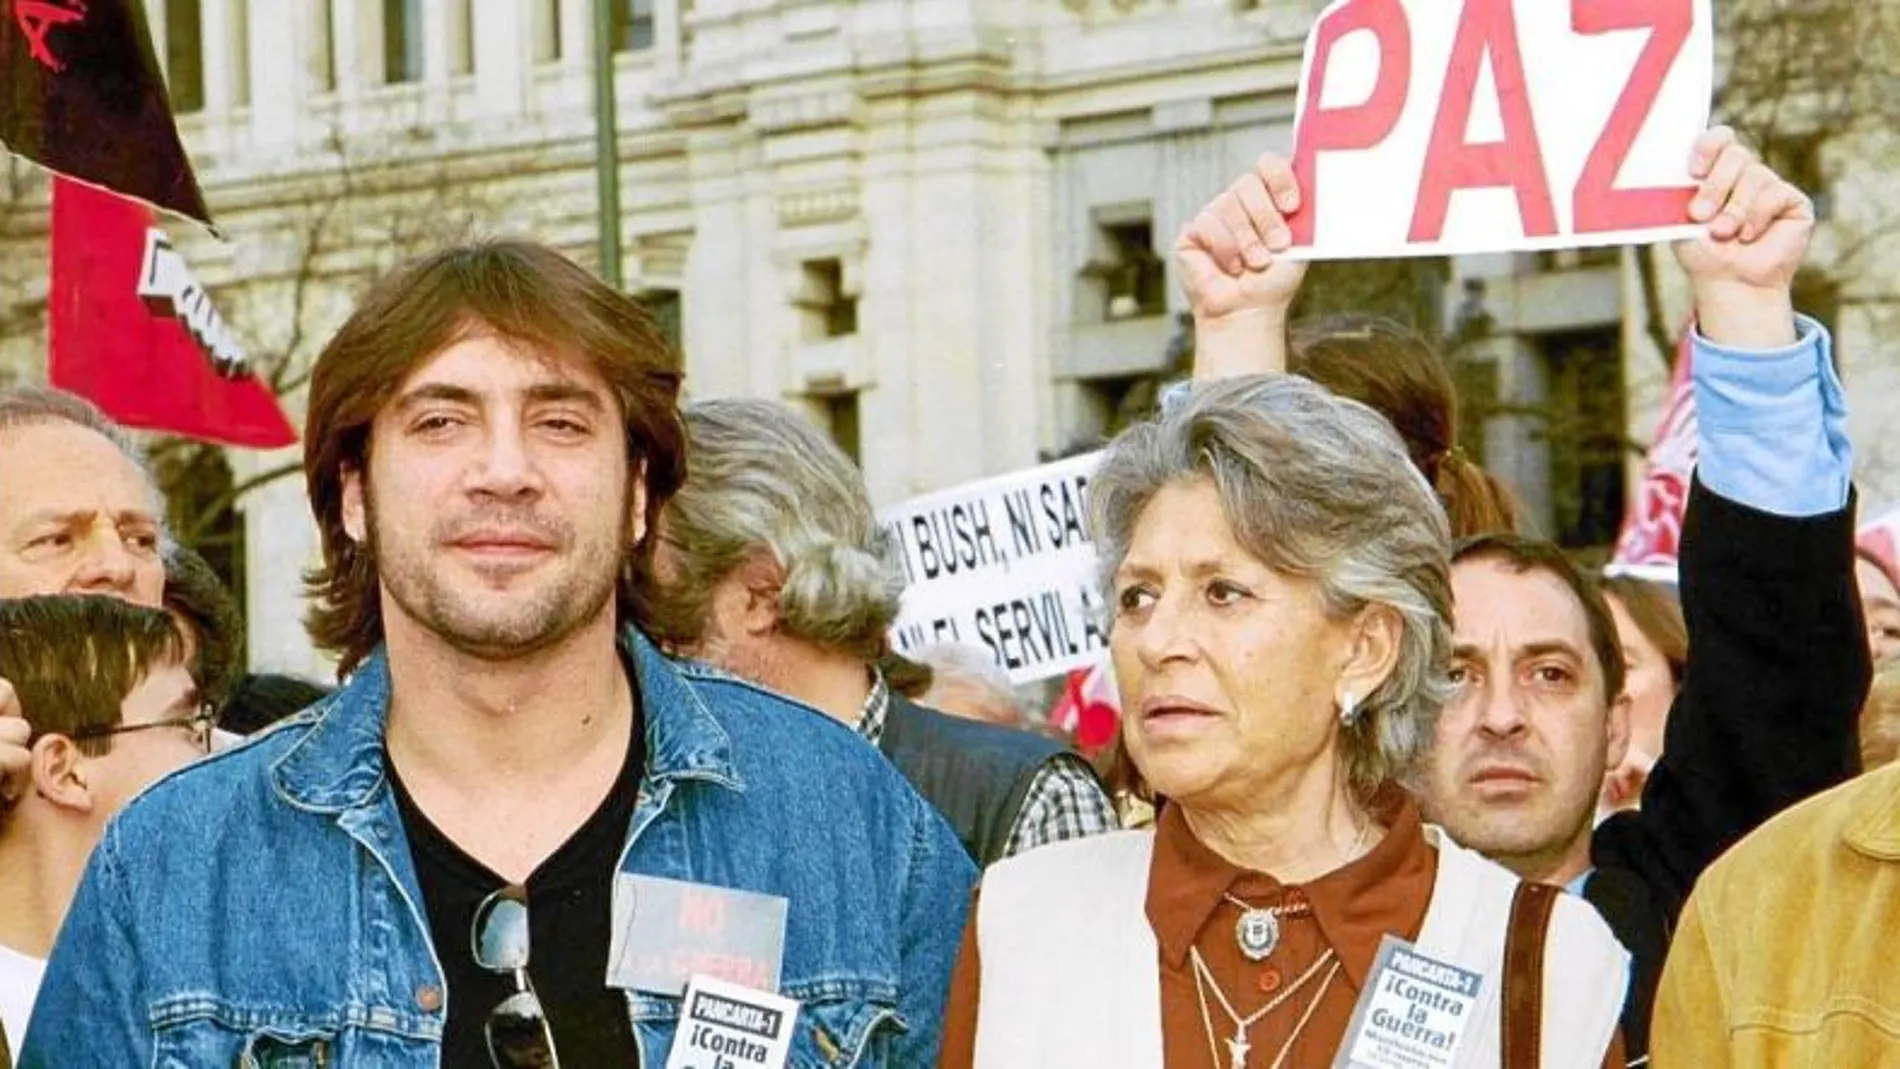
{"points": [[261, 908]]}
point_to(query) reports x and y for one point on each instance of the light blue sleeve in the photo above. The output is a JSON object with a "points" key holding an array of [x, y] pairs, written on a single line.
{"points": [[1772, 424]]}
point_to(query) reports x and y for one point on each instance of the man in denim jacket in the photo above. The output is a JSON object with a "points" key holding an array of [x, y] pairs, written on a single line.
{"points": [[432, 866]]}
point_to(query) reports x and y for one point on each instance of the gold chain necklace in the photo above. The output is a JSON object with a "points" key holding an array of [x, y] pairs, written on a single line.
{"points": [[1238, 1047]]}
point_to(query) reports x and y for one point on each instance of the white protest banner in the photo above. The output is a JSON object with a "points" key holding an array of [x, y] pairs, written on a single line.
{"points": [[1435, 127], [1008, 564]]}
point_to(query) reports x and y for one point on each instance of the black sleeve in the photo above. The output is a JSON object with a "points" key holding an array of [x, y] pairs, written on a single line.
{"points": [[1768, 713]]}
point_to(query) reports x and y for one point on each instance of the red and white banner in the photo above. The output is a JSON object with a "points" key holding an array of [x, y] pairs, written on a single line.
{"points": [[1089, 708], [1651, 539], [1434, 127], [132, 330]]}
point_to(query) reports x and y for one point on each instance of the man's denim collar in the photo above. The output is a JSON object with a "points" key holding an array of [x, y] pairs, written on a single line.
{"points": [[338, 764]]}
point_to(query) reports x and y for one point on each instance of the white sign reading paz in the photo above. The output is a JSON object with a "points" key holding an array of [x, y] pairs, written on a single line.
{"points": [[1432, 127]]}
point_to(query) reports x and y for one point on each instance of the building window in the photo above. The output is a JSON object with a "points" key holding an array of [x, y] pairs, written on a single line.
{"points": [[664, 306], [1112, 403], [320, 57], [1798, 160], [1126, 275], [402, 41], [547, 31], [829, 311], [184, 55], [839, 411], [633, 25], [1587, 436]]}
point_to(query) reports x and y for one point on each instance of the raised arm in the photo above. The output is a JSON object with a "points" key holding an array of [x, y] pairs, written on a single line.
{"points": [[1778, 663], [1238, 280]]}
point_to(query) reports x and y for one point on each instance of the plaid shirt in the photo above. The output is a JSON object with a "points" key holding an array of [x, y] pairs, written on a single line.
{"points": [[1065, 800]]}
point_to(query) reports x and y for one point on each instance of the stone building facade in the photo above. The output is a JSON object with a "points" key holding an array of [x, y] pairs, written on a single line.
{"points": [[941, 226]]}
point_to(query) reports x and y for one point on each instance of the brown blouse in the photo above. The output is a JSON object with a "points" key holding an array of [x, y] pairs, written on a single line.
{"points": [[1348, 911]]}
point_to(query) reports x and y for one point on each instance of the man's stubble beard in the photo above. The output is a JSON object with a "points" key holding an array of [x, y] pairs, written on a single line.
{"points": [[1516, 840], [556, 611]]}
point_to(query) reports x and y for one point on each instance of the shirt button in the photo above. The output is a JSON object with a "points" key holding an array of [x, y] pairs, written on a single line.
{"points": [[1269, 980], [429, 997]]}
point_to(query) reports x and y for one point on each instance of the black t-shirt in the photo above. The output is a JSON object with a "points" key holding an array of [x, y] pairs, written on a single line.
{"points": [[570, 925]]}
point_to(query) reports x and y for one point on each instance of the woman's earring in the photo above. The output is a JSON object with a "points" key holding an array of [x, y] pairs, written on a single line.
{"points": [[1348, 709]]}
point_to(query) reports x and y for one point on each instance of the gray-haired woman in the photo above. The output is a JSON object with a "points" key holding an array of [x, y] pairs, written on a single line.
{"points": [[1279, 574]]}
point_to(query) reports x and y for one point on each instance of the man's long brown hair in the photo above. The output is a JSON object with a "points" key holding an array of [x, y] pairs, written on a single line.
{"points": [[516, 290]]}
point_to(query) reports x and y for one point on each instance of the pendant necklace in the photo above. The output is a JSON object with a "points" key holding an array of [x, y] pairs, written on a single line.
{"points": [[1258, 930], [1257, 933], [1238, 1047]]}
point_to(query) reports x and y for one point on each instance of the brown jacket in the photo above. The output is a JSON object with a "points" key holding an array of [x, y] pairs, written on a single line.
{"points": [[1786, 951]]}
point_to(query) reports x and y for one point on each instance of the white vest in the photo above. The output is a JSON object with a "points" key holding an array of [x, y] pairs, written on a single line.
{"points": [[1071, 969]]}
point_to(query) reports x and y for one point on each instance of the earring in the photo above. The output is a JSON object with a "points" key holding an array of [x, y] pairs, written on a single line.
{"points": [[1348, 709]]}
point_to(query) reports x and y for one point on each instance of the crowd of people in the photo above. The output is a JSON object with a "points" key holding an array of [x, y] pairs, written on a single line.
{"points": [[597, 644]]}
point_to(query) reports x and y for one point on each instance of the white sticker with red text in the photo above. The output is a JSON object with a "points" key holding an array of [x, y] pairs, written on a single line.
{"points": [[1436, 127]]}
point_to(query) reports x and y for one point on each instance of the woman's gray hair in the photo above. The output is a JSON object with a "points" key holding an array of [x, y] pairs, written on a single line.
{"points": [[1315, 487], [759, 475]]}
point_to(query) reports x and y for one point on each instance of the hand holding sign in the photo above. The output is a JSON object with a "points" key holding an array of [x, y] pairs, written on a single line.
{"points": [[1230, 252], [1743, 268], [1238, 281], [1430, 127]]}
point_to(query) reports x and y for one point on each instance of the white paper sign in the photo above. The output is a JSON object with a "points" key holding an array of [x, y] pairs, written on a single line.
{"points": [[1435, 127], [725, 1026], [1413, 1014], [1007, 564]]}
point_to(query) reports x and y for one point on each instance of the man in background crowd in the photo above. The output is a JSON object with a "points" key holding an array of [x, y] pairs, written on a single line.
{"points": [[965, 681], [112, 707], [1777, 667], [79, 513], [772, 566]]}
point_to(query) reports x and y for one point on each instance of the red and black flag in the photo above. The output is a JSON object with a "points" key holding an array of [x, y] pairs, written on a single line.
{"points": [[131, 328], [80, 94]]}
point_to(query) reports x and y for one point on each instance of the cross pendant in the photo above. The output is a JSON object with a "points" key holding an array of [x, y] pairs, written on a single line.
{"points": [[1237, 1049]]}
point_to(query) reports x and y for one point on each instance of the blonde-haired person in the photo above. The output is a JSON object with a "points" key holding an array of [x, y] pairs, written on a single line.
{"points": [[1279, 576]]}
